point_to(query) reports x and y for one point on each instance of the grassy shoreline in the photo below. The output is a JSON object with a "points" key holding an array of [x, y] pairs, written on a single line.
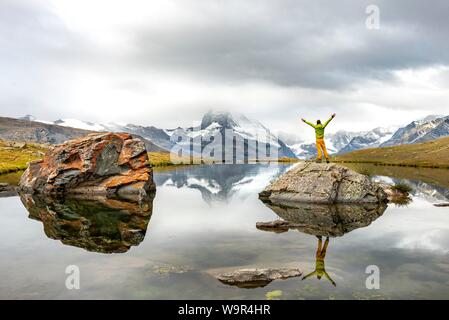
{"points": [[433, 176], [385, 164], [432, 154], [14, 156]]}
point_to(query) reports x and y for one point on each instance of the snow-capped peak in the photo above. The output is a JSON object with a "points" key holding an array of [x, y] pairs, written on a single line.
{"points": [[75, 123]]}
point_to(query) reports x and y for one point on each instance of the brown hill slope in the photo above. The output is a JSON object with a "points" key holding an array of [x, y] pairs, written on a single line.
{"points": [[428, 154], [37, 132], [29, 131]]}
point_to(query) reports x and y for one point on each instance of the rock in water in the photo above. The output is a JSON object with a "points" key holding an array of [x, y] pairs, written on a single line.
{"points": [[441, 205], [256, 278], [98, 164], [396, 195], [323, 183]]}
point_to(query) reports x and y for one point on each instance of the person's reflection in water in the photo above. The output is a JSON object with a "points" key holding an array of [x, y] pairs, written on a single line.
{"points": [[320, 255]]}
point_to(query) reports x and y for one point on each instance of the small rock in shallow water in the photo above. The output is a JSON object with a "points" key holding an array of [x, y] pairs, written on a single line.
{"points": [[170, 269], [441, 205], [257, 278], [276, 226], [395, 195]]}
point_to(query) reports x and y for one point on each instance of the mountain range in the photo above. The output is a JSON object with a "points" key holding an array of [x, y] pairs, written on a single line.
{"points": [[428, 129], [341, 142], [345, 141], [29, 128], [250, 132]]}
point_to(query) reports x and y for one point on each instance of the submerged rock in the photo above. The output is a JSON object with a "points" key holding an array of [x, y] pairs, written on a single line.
{"points": [[256, 278], [97, 224], [98, 164], [321, 219], [323, 183]]}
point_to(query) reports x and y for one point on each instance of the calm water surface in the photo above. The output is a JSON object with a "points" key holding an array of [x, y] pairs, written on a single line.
{"points": [[203, 223]]}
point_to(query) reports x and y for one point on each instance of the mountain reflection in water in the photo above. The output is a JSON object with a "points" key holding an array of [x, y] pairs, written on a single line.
{"points": [[223, 182], [97, 224]]}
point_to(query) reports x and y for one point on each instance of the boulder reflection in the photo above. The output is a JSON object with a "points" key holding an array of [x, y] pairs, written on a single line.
{"points": [[98, 224], [321, 220]]}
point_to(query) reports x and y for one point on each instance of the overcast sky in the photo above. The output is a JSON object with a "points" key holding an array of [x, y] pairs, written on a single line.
{"points": [[165, 63]]}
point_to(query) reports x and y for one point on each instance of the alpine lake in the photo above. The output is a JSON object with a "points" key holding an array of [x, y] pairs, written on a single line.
{"points": [[202, 222]]}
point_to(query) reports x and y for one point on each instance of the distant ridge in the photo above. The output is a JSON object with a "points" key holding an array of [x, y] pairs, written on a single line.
{"points": [[21, 130]]}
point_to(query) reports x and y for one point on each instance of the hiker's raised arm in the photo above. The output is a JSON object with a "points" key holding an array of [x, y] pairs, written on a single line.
{"points": [[309, 123], [330, 119]]}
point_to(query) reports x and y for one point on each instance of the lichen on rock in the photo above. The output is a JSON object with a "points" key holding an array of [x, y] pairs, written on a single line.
{"points": [[97, 164], [323, 183]]}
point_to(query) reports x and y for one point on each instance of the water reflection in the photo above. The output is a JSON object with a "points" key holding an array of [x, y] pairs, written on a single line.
{"points": [[191, 242], [97, 224], [219, 183], [430, 184], [320, 269], [321, 219]]}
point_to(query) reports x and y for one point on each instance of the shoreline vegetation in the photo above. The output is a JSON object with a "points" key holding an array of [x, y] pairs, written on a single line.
{"points": [[385, 164], [14, 156], [162, 159], [433, 176]]}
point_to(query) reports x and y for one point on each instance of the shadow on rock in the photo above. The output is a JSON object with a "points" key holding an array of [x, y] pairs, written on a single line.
{"points": [[97, 224], [328, 220]]}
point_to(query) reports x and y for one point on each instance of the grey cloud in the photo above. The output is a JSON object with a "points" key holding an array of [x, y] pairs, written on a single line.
{"points": [[36, 48], [295, 43]]}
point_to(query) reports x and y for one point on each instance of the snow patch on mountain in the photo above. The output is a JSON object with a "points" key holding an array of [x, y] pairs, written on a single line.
{"points": [[75, 123], [226, 124], [212, 124], [423, 130]]}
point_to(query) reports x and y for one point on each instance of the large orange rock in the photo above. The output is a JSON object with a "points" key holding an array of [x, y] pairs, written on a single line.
{"points": [[98, 164]]}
